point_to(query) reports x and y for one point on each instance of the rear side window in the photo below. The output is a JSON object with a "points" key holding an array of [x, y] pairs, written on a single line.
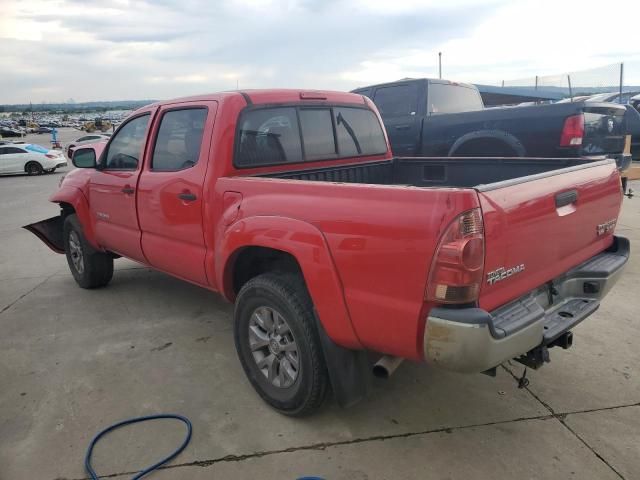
{"points": [[358, 132], [397, 101], [179, 139], [271, 136], [443, 98], [8, 150], [268, 136]]}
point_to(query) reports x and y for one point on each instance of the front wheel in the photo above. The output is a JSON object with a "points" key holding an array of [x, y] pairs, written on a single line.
{"points": [[278, 344], [90, 268]]}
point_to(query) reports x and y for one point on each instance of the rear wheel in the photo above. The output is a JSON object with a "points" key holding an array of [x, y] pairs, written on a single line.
{"points": [[278, 343], [90, 268], [33, 168]]}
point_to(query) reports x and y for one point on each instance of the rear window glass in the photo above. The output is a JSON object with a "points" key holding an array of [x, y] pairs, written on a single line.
{"points": [[452, 99], [271, 136], [36, 148], [397, 101], [358, 132], [317, 133]]}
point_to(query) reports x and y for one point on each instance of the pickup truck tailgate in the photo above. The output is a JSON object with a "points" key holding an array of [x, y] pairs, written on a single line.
{"points": [[540, 226]]}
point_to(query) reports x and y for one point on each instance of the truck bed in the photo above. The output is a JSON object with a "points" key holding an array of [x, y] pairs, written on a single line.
{"points": [[462, 172]]}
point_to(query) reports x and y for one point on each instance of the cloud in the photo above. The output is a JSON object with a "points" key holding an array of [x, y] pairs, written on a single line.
{"points": [[113, 49]]}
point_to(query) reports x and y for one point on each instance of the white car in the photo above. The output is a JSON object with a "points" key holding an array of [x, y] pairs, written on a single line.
{"points": [[89, 138], [30, 159]]}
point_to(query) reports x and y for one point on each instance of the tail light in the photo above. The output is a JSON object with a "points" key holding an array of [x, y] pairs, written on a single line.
{"points": [[456, 271], [572, 131], [51, 155]]}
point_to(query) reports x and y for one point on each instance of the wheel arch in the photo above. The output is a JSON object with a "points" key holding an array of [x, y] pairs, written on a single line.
{"points": [[73, 201], [499, 137], [256, 245]]}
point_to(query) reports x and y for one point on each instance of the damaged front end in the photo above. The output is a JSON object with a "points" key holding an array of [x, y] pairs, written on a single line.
{"points": [[50, 232]]}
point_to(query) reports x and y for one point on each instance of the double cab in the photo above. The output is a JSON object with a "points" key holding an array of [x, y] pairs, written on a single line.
{"points": [[290, 204]]}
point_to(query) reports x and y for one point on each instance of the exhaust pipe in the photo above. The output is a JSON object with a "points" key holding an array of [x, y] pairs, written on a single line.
{"points": [[384, 367]]}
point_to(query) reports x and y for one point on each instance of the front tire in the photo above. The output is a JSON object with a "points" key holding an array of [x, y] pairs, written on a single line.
{"points": [[33, 168], [90, 268], [278, 344]]}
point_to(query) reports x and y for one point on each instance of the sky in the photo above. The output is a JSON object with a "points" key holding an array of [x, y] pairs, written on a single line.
{"points": [[56, 50]]}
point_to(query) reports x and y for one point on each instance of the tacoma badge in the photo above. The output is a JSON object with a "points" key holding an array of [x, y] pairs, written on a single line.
{"points": [[502, 273]]}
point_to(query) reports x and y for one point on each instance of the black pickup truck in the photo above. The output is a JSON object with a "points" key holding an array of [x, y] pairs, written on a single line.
{"points": [[428, 117]]}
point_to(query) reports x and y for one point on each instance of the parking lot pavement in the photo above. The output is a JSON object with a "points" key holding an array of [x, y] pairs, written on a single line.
{"points": [[73, 361]]}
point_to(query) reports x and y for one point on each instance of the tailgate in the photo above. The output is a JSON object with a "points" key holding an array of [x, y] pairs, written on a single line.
{"points": [[540, 226], [604, 129]]}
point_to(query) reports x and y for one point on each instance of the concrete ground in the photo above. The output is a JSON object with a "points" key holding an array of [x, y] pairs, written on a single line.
{"points": [[74, 361]]}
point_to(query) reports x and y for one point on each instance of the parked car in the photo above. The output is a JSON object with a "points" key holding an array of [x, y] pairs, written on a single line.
{"points": [[613, 97], [442, 118], [29, 158], [292, 206], [85, 140], [6, 132], [42, 129]]}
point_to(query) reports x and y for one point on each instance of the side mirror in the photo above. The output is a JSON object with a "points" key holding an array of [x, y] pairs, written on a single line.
{"points": [[84, 158]]}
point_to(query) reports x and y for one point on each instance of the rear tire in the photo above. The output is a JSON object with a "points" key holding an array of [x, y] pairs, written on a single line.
{"points": [[278, 343], [90, 268], [33, 168]]}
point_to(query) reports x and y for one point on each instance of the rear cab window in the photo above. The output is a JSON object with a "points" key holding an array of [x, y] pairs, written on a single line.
{"points": [[297, 134]]}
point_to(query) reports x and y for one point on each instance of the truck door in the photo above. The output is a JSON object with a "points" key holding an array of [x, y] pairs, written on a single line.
{"points": [[170, 191], [112, 189], [398, 106]]}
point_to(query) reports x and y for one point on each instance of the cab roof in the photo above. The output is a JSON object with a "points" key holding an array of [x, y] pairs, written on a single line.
{"points": [[269, 96]]}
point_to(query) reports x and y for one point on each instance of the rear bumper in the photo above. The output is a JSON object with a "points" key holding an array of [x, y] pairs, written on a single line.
{"points": [[472, 340]]}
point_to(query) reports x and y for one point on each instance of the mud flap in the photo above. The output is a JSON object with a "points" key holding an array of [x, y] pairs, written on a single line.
{"points": [[50, 232], [349, 370]]}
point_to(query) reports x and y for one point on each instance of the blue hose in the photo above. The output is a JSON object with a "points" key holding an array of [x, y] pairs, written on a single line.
{"points": [[87, 458]]}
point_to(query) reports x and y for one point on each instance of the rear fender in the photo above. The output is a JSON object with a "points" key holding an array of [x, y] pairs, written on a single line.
{"points": [[308, 246], [497, 135]]}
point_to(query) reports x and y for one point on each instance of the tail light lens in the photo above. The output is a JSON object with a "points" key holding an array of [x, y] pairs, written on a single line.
{"points": [[456, 272], [572, 131], [50, 155]]}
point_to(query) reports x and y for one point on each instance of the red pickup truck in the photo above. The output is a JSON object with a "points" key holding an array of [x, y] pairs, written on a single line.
{"points": [[290, 204]]}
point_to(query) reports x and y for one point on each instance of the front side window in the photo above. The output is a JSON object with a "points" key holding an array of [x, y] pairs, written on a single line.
{"points": [[126, 146], [358, 132], [178, 140], [397, 101], [268, 136]]}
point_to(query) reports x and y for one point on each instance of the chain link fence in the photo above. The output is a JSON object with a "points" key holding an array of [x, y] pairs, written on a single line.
{"points": [[607, 78]]}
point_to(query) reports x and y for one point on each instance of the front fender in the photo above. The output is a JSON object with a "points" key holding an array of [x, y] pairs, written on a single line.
{"points": [[74, 197], [308, 246]]}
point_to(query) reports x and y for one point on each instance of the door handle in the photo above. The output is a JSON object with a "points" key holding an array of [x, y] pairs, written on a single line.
{"points": [[128, 190], [402, 127], [566, 198], [187, 196]]}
